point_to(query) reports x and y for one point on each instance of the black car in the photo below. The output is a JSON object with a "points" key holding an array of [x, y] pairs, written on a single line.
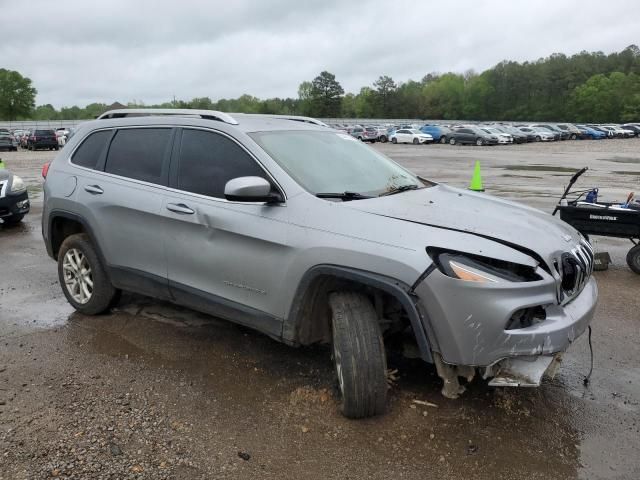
{"points": [[7, 142], [14, 199], [43, 139], [471, 136]]}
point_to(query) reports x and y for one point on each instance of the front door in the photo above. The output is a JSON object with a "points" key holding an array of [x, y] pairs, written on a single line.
{"points": [[226, 258]]}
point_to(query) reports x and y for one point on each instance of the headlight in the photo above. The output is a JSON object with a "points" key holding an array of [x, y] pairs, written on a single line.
{"points": [[17, 185], [474, 268]]}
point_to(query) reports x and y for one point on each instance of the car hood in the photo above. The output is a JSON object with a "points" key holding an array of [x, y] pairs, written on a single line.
{"points": [[501, 220]]}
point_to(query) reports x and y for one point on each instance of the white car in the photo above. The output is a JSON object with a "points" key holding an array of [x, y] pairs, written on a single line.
{"points": [[62, 134], [410, 135], [503, 138], [619, 131], [541, 134]]}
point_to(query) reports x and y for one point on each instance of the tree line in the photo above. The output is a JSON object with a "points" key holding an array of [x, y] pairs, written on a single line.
{"points": [[585, 87]]}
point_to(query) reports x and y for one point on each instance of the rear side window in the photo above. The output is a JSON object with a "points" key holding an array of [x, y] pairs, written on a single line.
{"points": [[139, 153], [89, 152], [44, 132], [209, 160]]}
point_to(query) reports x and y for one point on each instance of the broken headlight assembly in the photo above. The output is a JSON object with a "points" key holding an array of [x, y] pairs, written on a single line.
{"points": [[474, 268]]}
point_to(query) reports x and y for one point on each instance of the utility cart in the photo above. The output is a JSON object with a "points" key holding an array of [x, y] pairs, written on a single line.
{"points": [[602, 218]]}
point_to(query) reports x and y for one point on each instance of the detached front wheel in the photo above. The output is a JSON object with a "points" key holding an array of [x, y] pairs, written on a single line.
{"points": [[359, 356]]}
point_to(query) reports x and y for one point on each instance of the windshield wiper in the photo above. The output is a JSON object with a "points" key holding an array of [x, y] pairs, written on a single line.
{"points": [[401, 188], [344, 196]]}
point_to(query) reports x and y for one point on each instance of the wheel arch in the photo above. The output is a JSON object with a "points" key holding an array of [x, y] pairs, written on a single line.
{"points": [[63, 224], [309, 315]]}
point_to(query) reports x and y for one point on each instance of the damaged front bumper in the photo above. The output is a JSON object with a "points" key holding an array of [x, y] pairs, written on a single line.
{"points": [[469, 328]]}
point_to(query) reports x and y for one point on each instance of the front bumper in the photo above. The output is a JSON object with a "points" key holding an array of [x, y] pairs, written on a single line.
{"points": [[14, 205], [466, 321]]}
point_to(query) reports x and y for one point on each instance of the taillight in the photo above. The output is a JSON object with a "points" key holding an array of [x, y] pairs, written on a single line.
{"points": [[45, 169]]}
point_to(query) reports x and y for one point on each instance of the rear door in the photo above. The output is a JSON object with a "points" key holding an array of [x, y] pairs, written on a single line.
{"points": [[124, 204], [226, 258]]}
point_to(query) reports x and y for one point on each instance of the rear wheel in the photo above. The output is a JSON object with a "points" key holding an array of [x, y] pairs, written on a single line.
{"points": [[452, 141], [82, 276], [383, 139], [359, 356], [633, 259]]}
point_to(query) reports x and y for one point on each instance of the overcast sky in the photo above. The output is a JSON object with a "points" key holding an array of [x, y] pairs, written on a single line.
{"points": [[83, 51]]}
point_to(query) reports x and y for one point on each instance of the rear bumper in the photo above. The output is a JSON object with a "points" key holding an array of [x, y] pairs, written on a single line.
{"points": [[467, 322], [14, 205]]}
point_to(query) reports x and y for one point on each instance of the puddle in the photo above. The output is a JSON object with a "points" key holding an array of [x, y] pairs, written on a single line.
{"points": [[621, 160], [540, 168], [626, 172], [509, 175]]}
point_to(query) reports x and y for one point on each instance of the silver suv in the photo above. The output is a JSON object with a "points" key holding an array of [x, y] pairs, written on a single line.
{"points": [[303, 233]]}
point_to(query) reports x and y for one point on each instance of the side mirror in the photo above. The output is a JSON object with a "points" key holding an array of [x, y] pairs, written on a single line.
{"points": [[250, 189]]}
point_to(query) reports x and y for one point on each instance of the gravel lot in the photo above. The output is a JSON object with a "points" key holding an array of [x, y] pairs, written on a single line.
{"points": [[155, 391]]}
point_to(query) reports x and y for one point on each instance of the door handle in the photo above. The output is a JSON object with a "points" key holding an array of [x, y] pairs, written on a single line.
{"points": [[94, 189], [180, 208]]}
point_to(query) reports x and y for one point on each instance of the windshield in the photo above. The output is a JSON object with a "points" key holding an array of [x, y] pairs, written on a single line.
{"points": [[330, 162]]}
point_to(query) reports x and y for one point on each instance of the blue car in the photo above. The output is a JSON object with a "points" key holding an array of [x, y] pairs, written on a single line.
{"points": [[439, 133], [588, 132]]}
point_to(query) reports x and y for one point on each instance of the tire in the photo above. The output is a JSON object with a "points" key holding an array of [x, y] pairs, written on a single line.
{"points": [[383, 139], [479, 142], [360, 138], [633, 259], [102, 294], [538, 139], [416, 141], [394, 140], [13, 219], [443, 139], [359, 355], [573, 136], [452, 141]]}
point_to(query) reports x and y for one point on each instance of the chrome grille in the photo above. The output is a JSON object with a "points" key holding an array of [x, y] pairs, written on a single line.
{"points": [[576, 268]]}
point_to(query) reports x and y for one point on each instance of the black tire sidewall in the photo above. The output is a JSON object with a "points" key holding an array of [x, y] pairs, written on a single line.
{"points": [[103, 292], [633, 259]]}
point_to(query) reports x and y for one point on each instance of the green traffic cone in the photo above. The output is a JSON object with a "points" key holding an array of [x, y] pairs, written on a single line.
{"points": [[1, 164], [476, 181]]}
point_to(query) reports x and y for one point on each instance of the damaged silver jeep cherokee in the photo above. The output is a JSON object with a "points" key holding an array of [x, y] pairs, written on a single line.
{"points": [[307, 235]]}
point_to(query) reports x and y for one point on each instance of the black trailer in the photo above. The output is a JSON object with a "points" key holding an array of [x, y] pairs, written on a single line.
{"points": [[604, 219]]}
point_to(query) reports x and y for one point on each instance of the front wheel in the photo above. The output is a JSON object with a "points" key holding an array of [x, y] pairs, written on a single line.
{"points": [[479, 142], [359, 356], [633, 259], [443, 139], [416, 141], [383, 139], [573, 136], [394, 140], [82, 276], [13, 219], [538, 139]]}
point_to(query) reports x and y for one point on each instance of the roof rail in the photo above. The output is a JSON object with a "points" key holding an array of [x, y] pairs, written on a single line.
{"points": [[143, 112], [296, 118]]}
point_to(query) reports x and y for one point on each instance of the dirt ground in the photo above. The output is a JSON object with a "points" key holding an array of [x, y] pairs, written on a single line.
{"points": [[156, 391]]}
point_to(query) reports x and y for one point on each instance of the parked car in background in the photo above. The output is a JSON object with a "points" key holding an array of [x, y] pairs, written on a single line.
{"points": [[540, 134], [43, 138], [503, 138], [62, 134], [591, 133], [470, 135], [620, 132], [368, 134], [383, 136], [557, 133], [439, 133], [599, 128], [573, 131], [14, 198], [634, 127], [24, 138], [518, 136], [406, 135], [7, 142]]}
